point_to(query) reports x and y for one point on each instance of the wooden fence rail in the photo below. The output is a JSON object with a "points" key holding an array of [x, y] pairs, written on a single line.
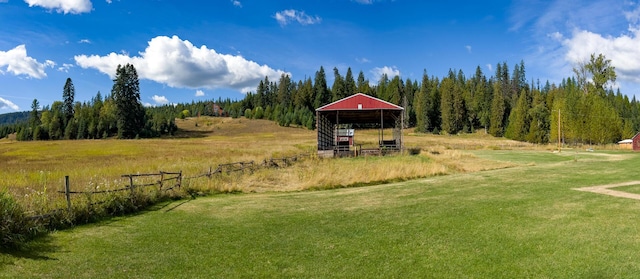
{"points": [[170, 180]]}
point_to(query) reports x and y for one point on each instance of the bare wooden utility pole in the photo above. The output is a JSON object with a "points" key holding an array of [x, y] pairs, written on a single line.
{"points": [[559, 132]]}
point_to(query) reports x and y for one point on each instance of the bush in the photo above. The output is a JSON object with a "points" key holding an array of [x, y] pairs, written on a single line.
{"points": [[15, 227]]}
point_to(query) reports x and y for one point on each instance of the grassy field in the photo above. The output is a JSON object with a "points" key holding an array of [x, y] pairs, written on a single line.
{"points": [[34, 171], [485, 208], [519, 222]]}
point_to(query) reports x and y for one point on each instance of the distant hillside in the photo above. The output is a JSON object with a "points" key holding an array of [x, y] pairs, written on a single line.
{"points": [[14, 117]]}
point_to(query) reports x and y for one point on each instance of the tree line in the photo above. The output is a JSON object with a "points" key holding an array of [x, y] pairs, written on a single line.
{"points": [[118, 114], [582, 109], [505, 104]]}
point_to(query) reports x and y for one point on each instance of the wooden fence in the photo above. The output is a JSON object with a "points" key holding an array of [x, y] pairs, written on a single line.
{"points": [[166, 181]]}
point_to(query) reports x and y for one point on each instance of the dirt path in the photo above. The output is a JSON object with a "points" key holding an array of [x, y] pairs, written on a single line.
{"points": [[605, 190]]}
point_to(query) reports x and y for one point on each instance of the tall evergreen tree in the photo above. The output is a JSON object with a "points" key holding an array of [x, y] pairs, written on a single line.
{"points": [[284, 91], [362, 84], [349, 83], [421, 104], [68, 95], [126, 96], [496, 126], [434, 106], [519, 122], [338, 90], [321, 91], [539, 126], [446, 105]]}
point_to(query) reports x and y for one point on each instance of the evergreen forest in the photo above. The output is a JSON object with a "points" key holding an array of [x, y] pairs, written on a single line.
{"points": [[582, 109]]}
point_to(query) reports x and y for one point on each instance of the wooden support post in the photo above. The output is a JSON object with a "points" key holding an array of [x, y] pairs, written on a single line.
{"points": [[131, 186], [161, 179], [67, 192], [180, 179]]}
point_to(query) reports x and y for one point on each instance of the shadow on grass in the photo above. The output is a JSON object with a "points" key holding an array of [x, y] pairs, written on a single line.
{"points": [[37, 249], [189, 134], [177, 205]]}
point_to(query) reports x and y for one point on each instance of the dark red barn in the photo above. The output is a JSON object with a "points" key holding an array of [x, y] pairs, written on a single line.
{"points": [[636, 142]]}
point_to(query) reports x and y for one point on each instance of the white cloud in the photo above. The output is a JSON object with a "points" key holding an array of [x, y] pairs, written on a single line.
{"points": [[468, 47], [199, 93], [6, 104], [390, 71], [236, 3], [4, 1], [623, 51], [362, 60], [287, 16], [178, 63], [63, 6], [366, 2], [160, 100], [109, 1], [65, 67], [84, 41], [17, 62], [490, 68]]}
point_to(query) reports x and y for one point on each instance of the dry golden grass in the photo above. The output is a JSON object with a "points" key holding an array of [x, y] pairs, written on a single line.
{"points": [[34, 171]]}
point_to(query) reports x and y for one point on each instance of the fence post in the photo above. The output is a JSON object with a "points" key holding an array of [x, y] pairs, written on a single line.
{"points": [[209, 175], [161, 179], [131, 186], [180, 180], [67, 192]]}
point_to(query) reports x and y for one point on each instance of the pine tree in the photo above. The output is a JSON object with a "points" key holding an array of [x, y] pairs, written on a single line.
{"points": [[539, 126], [421, 103], [519, 124], [362, 85], [433, 105], [349, 83], [496, 126], [446, 106], [126, 96], [68, 94], [284, 91], [338, 90], [322, 96]]}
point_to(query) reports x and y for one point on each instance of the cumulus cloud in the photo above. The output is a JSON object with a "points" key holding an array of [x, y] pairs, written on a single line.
{"points": [[287, 16], [199, 93], [63, 6], [160, 100], [84, 41], [6, 104], [623, 51], [389, 71], [18, 63], [236, 3], [178, 63]]}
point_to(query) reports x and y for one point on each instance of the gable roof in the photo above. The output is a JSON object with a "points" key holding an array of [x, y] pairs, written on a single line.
{"points": [[359, 101]]}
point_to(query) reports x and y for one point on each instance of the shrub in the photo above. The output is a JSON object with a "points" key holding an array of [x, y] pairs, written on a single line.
{"points": [[15, 226]]}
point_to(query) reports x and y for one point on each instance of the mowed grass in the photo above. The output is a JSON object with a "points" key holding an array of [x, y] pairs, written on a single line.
{"points": [[518, 222]]}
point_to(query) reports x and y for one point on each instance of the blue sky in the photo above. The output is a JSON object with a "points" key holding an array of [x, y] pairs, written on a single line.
{"points": [[196, 50]]}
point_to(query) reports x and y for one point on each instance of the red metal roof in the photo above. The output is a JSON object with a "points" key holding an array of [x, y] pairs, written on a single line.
{"points": [[360, 102]]}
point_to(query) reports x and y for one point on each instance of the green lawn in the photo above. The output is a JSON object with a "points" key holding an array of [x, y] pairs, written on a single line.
{"points": [[522, 222]]}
